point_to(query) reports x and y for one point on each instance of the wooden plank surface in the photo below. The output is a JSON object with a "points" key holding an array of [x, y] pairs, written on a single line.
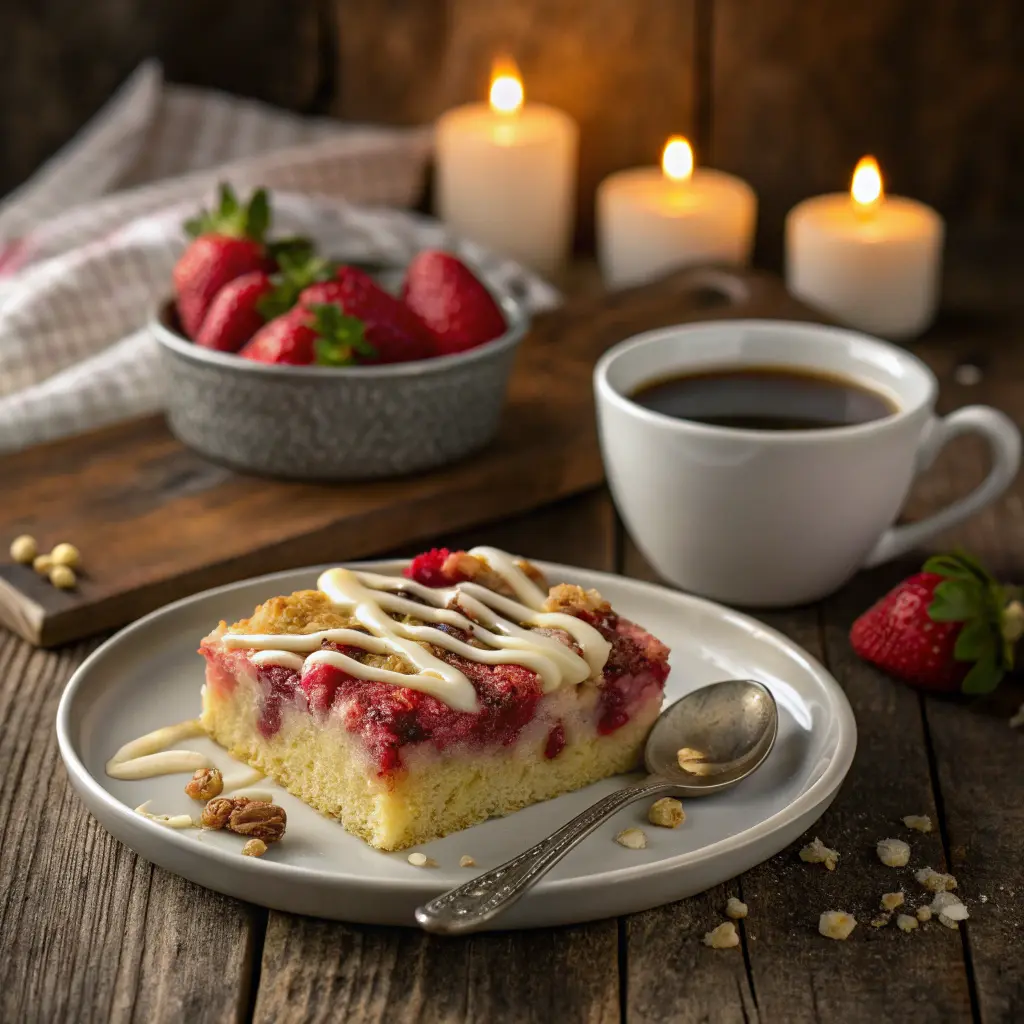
{"points": [[156, 522]]}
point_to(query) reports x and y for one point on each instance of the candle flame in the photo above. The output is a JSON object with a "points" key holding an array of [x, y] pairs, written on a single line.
{"points": [[866, 187], [677, 159], [506, 87]]}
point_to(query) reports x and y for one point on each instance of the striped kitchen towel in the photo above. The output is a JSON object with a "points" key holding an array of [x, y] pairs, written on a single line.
{"points": [[88, 244]]}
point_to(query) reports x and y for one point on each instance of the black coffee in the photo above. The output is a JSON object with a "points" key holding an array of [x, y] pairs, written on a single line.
{"points": [[764, 398]]}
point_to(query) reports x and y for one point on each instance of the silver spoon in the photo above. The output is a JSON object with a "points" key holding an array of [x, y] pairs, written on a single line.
{"points": [[730, 728]]}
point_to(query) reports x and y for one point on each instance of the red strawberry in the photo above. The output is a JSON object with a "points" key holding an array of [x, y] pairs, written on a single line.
{"points": [[452, 302], [305, 335], [950, 627], [234, 315], [394, 332], [228, 243]]}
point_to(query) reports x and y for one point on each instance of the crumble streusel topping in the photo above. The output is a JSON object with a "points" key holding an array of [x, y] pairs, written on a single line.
{"points": [[893, 853], [724, 936], [816, 852]]}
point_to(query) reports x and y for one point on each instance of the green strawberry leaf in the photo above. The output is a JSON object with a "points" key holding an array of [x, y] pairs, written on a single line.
{"points": [[341, 337], [975, 641], [292, 248], [956, 600], [228, 208], [983, 677], [257, 215]]}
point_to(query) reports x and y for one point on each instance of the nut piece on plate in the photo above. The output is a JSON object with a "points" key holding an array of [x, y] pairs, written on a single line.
{"points": [[63, 577], [893, 853], [724, 936], [666, 812], [906, 923], [66, 554], [254, 848], [836, 924], [920, 822], [205, 784], [816, 852], [259, 820], [735, 908], [217, 813], [632, 838], [892, 900], [935, 881], [23, 549]]}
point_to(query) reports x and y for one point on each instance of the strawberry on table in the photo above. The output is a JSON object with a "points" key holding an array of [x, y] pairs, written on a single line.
{"points": [[449, 299], [307, 335], [227, 243], [393, 332], [951, 627]]}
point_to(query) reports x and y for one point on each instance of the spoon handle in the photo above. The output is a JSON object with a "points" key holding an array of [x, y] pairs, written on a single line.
{"points": [[471, 905]]}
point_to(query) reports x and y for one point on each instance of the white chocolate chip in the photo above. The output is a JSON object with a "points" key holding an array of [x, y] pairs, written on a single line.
{"points": [[892, 900], [666, 812], [893, 853], [66, 554], [906, 923], [632, 839], [23, 549], [920, 822], [465, 861], [421, 860], [836, 924], [63, 577], [935, 881], [724, 936], [735, 908], [816, 852]]}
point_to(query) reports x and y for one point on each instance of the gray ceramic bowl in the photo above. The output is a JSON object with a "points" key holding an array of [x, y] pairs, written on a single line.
{"points": [[335, 423]]}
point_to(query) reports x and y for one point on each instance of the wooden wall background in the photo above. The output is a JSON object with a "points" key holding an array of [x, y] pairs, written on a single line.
{"points": [[787, 93]]}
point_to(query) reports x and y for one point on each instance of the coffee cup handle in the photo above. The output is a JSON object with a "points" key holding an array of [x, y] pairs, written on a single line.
{"points": [[1004, 442]]}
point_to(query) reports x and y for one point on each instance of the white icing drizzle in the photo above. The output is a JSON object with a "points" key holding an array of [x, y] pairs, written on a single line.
{"points": [[170, 820], [147, 756], [499, 622]]}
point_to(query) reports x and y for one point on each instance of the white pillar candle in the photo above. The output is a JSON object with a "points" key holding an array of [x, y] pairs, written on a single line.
{"points": [[506, 175], [653, 219], [871, 261]]}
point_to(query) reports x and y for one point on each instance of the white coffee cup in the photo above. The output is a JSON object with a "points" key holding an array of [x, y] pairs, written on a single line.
{"points": [[769, 517]]}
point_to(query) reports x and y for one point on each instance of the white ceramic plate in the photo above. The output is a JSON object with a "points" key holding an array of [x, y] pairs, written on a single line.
{"points": [[149, 675]]}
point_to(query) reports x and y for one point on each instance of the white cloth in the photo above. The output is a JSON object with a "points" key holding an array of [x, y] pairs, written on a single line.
{"points": [[88, 244]]}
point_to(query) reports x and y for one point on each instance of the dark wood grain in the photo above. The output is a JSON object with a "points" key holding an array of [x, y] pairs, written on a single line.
{"points": [[63, 60], [624, 71], [323, 971], [89, 931], [156, 522], [800, 93]]}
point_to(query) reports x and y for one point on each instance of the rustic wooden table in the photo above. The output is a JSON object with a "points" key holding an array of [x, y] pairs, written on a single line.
{"points": [[90, 932]]}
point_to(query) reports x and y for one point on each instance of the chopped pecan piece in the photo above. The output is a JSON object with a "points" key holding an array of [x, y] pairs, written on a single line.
{"points": [[259, 820], [205, 784]]}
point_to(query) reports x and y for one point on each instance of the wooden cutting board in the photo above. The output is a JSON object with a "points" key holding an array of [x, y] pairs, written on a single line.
{"points": [[156, 522]]}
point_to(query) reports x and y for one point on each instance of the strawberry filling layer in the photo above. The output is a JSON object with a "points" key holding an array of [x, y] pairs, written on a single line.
{"points": [[388, 718]]}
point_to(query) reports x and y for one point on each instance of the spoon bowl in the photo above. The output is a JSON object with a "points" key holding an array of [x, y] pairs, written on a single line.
{"points": [[727, 730], [702, 744]]}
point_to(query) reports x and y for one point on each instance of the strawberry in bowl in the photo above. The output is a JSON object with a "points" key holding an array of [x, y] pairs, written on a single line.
{"points": [[290, 364]]}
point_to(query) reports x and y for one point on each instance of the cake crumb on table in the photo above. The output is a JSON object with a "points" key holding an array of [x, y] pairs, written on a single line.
{"points": [[935, 881], [735, 908], [666, 812], [724, 936], [893, 853], [632, 838], [881, 921], [924, 913], [949, 908], [816, 852], [906, 923], [1018, 719], [421, 860], [892, 900], [919, 822], [836, 924], [465, 861], [24, 549]]}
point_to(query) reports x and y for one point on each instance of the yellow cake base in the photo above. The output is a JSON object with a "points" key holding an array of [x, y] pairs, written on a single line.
{"points": [[436, 794]]}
